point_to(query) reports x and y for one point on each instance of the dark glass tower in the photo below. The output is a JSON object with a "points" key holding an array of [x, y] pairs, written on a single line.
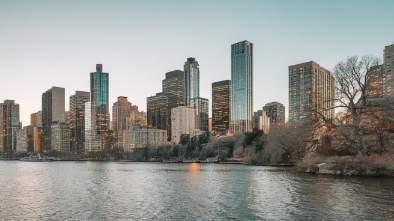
{"points": [[99, 92], [77, 120], [221, 106], [9, 125], [192, 81]]}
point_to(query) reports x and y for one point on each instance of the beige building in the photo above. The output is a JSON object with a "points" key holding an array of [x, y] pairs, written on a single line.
{"points": [[140, 137], [388, 63], [121, 119], [311, 93], [375, 81], [60, 137], [182, 122]]}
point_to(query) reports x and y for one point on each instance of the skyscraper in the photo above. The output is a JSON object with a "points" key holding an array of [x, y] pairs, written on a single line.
{"points": [[276, 112], [241, 87], [388, 64], [36, 119], [182, 122], [221, 100], [53, 110], [174, 84], [77, 120], [192, 81], [311, 93], [9, 125], [99, 92], [375, 81], [201, 106], [121, 119]]}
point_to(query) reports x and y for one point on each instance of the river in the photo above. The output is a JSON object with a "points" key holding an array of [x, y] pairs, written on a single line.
{"points": [[159, 191]]}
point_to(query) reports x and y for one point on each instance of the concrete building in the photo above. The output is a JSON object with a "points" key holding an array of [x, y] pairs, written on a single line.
{"points": [[221, 99], [121, 119], [261, 121], [388, 64], [192, 82], [60, 137], [183, 122], [53, 110], [21, 141], [140, 137], [276, 113], [375, 81], [241, 87], [311, 93], [9, 126], [77, 120], [93, 141], [36, 119]]}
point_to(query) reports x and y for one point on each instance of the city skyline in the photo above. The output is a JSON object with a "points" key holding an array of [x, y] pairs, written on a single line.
{"points": [[42, 46]]}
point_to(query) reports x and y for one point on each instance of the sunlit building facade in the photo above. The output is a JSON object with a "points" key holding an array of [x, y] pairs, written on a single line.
{"points": [[221, 99], [183, 121], [140, 137], [388, 64], [276, 113], [36, 119], [60, 136], [53, 110], [121, 119], [192, 81], [241, 87], [375, 81], [311, 93], [9, 126], [77, 120]]}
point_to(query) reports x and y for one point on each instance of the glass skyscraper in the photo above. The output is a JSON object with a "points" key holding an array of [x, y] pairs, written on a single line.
{"points": [[221, 106], [99, 91], [241, 87], [192, 81], [77, 120]]}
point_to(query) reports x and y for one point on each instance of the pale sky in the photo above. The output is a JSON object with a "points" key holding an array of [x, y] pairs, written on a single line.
{"points": [[58, 43]]}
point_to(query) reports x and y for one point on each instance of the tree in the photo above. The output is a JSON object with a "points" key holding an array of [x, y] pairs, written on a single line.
{"points": [[351, 85]]}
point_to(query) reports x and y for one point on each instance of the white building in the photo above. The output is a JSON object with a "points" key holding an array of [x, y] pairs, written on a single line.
{"points": [[92, 141], [21, 140], [261, 121], [139, 137], [182, 122]]}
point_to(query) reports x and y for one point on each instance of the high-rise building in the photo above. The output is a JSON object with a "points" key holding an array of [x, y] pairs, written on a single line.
{"points": [[159, 111], [174, 84], [375, 81], [183, 122], [276, 112], [99, 92], [201, 106], [77, 120], [388, 64], [53, 110], [60, 137], [221, 99], [241, 87], [36, 119], [311, 93], [93, 141], [192, 81], [9, 125], [121, 119], [21, 140], [261, 121], [37, 139]]}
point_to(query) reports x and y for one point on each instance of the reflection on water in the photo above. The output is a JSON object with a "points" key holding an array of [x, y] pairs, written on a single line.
{"points": [[154, 191]]}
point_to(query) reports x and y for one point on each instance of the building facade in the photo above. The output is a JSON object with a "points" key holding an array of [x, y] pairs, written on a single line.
{"points": [[221, 100], [36, 119], [99, 93], [375, 81], [121, 119], [60, 136], [276, 113], [140, 137], [21, 141], [388, 63], [261, 121], [241, 87], [53, 110], [201, 106], [77, 120], [174, 84], [93, 141], [183, 121], [311, 93], [192, 81], [9, 126]]}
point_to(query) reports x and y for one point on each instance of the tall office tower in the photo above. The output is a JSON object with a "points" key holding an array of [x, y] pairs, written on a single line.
{"points": [[388, 64], [276, 112], [9, 125], [159, 111], [53, 109], [92, 139], [121, 119], [201, 105], [60, 137], [375, 81], [192, 81], [99, 82], [36, 119], [221, 98], [77, 120], [174, 84], [37, 139], [241, 87], [311, 93], [21, 141], [182, 122]]}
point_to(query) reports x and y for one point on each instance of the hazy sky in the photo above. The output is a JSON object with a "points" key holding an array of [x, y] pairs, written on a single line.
{"points": [[58, 43]]}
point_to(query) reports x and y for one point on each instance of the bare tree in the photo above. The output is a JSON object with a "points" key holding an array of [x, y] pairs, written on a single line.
{"points": [[351, 85]]}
